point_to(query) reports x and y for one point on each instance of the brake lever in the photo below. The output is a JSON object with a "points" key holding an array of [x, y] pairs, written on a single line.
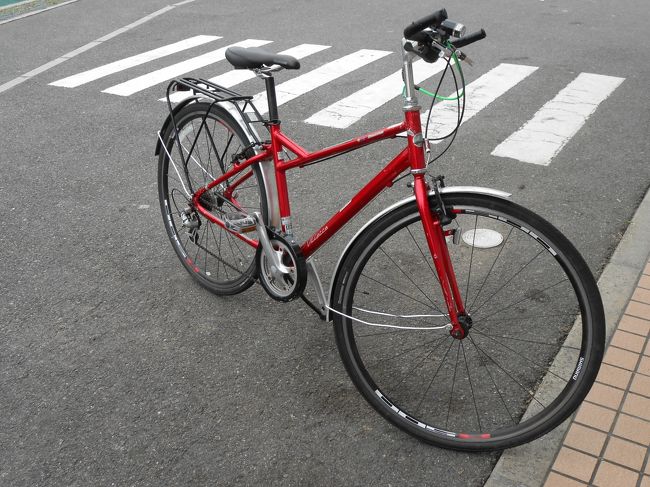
{"points": [[448, 52], [444, 49], [464, 57]]}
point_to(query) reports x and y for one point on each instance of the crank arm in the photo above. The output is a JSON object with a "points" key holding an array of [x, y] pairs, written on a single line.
{"points": [[277, 267]]}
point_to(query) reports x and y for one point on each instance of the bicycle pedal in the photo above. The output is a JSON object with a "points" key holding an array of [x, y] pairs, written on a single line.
{"points": [[239, 222]]}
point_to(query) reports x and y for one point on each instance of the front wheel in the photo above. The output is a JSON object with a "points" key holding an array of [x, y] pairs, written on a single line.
{"points": [[536, 325]]}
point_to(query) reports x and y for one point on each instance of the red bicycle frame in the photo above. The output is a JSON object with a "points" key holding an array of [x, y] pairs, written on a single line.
{"points": [[411, 157]]}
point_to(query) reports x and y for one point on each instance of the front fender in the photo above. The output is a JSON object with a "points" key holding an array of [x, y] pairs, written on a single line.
{"points": [[399, 204]]}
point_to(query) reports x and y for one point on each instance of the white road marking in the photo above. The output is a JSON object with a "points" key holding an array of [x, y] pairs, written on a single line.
{"points": [[543, 136], [479, 94], [351, 109], [236, 76], [155, 77], [537, 141], [307, 82], [96, 42], [130, 62]]}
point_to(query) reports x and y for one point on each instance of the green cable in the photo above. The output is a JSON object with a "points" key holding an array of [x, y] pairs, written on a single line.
{"points": [[445, 98]]}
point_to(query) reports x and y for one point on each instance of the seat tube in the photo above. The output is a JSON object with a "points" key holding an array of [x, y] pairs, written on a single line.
{"points": [[278, 158], [281, 180]]}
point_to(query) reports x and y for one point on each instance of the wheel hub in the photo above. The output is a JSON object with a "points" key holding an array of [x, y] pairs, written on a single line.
{"points": [[465, 324]]}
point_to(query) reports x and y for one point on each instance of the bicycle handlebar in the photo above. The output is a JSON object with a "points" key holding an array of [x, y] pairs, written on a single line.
{"points": [[469, 39], [432, 20], [430, 36]]}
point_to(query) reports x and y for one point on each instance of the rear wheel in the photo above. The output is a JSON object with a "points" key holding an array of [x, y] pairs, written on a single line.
{"points": [[536, 327], [209, 138]]}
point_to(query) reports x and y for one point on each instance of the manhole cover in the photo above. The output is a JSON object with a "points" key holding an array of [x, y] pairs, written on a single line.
{"points": [[482, 238]]}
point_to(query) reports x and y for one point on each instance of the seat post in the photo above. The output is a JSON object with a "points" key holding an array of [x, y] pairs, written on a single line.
{"points": [[269, 81]]}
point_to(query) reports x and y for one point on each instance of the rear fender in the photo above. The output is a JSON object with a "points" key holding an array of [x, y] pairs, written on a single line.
{"points": [[168, 120], [267, 167]]}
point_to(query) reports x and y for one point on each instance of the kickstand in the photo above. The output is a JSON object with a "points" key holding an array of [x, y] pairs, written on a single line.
{"points": [[318, 311]]}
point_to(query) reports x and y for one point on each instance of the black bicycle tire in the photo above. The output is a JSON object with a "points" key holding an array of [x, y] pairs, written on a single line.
{"points": [[593, 338], [184, 115]]}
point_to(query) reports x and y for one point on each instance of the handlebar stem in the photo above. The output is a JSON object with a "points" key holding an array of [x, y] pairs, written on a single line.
{"points": [[410, 99]]}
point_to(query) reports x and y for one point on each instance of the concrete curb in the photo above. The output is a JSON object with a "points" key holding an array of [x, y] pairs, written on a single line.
{"points": [[17, 4], [528, 465], [35, 11]]}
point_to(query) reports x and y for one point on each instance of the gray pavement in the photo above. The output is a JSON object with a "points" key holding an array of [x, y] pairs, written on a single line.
{"points": [[116, 369]]}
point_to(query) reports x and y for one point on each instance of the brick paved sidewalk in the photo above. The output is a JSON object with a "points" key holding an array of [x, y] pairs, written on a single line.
{"points": [[608, 442]]}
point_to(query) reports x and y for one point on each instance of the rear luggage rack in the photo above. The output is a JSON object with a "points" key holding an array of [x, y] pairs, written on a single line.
{"points": [[207, 88], [233, 102], [202, 88]]}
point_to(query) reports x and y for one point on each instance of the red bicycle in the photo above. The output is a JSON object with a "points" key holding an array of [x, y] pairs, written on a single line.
{"points": [[464, 319]]}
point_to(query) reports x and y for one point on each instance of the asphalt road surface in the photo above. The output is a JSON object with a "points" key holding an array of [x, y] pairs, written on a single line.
{"points": [[116, 369]]}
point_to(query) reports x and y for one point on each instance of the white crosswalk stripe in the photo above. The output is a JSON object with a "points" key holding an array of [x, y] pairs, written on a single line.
{"points": [[150, 79], [542, 137], [324, 74], [236, 76], [538, 141], [478, 95], [130, 62], [353, 108]]}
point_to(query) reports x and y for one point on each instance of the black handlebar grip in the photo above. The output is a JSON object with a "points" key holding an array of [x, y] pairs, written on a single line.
{"points": [[468, 39], [432, 20]]}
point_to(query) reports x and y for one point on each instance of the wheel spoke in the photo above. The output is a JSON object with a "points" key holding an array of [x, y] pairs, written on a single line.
{"points": [[501, 247], [471, 259], [198, 247], [216, 151], [453, 384], [197, 151], [496, 388], [424, 257], [509, 281], [401, 354], [523, 358], [536, 342], [399, 292], [418, 364], [471, 387], [218, 245], [408, 277], [500, 367], [525, 298], [442, 362]]}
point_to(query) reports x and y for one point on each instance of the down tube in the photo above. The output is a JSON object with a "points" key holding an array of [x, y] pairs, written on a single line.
{"points": [[382, 180]]}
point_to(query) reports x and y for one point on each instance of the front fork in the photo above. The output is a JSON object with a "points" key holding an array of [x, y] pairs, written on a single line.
{"points": [[430, 220], [438, 247]]}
